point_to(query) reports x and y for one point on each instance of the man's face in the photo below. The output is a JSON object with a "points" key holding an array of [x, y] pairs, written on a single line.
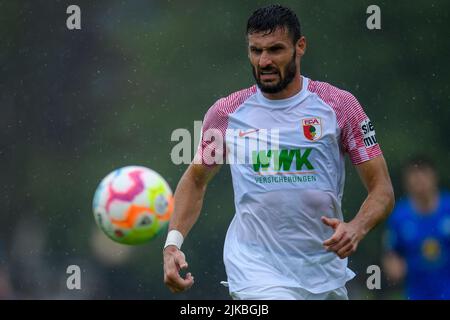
{"points": [[420, 181], [273, 58]]}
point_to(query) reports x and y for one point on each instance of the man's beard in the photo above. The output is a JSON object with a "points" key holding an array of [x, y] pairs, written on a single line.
{"points": [[289, 73]]}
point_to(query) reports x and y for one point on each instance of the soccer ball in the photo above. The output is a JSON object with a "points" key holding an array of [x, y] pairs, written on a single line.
{"points": [[132, 205]]}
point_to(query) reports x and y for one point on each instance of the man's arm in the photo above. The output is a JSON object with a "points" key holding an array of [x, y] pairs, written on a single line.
{"points": [[188, 203], [377, 206]]}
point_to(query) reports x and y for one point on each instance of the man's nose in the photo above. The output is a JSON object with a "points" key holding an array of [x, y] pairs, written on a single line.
{"points": [[264, 60]]}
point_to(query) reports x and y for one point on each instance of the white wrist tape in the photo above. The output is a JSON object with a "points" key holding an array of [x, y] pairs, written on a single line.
{"points": [[174, 238]]}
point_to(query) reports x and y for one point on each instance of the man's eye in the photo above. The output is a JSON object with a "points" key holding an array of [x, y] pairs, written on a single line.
{"points": [[255, 50], [275, 49]]}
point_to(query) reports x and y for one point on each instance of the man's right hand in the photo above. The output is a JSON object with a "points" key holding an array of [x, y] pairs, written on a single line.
{"points": [[394, 266], [174, 261]]}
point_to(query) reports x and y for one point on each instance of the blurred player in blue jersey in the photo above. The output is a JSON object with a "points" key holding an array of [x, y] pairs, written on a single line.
{"points": [[419, 235]]}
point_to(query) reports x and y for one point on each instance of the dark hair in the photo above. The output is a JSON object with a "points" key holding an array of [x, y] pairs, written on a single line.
{"points": [[268, 19], [418, 162]]}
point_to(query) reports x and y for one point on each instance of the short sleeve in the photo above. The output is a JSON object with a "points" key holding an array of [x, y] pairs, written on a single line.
{"points": [[358, 132], [211, 150], [212, 147]]}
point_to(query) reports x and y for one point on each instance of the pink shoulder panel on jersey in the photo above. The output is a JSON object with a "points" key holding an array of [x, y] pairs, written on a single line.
{"points": [[212, 145], [351, 119]]}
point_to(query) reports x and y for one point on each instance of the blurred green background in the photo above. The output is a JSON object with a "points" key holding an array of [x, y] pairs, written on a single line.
{"points": [[76, 105]]}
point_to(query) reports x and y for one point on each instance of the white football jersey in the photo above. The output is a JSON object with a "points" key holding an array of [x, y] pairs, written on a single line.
{"points": [[287, 164]]}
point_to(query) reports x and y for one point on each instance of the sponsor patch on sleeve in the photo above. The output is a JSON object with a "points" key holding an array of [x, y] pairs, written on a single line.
{"points": [[368, 132]]}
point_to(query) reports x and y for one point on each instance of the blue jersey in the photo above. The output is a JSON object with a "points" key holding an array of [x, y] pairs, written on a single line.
{"points": [[423, 240]]}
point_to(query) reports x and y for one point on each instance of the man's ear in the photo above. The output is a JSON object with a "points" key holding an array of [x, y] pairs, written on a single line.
{"points": [[300, 46]]}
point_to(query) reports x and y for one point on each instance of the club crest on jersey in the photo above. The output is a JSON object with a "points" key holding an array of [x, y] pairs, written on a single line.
{"points": [[312, 128]]}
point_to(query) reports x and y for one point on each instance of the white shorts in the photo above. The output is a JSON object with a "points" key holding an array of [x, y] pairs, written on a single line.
{"points": [[288, 293]]}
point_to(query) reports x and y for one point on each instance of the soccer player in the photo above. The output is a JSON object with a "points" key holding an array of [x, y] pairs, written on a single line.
{"points": [[419, 235], [287, 239]]}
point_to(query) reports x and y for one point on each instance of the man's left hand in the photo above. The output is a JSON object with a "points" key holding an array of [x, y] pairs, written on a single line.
{"points": [[345, 239]]}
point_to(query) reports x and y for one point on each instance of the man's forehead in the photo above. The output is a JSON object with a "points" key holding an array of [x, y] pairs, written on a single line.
{"points": [[415, 171], [264, 38]]}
